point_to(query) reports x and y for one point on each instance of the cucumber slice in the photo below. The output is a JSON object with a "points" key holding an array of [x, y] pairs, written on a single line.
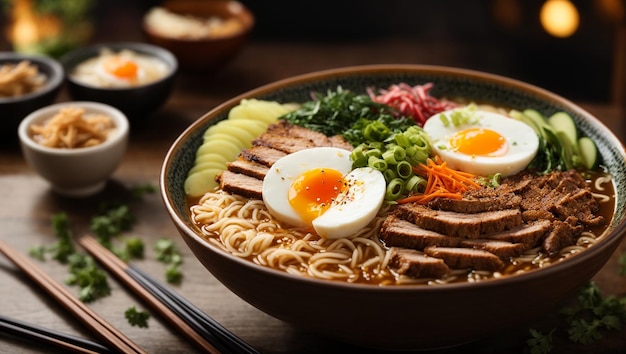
{"points": [[539, 120], [201, 182], [588, 152], [563, 122]]}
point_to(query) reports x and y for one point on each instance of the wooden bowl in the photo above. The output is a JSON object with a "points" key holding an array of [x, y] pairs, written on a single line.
{"points": [[205, 54]]}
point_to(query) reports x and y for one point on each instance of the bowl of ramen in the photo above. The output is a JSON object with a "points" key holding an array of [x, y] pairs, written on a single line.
{"points": [[75, 146], [203, 35], [136, 78], [388, 206], [27, 82]]}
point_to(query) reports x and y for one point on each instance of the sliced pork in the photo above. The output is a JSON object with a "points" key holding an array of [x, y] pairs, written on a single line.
{"points": [[460, 224], [466, 258], [417, 265]]}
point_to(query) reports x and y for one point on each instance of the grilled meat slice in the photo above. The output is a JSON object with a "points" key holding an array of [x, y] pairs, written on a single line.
{"points": [[289, 138], [460, 224], [237, 183], [466, 258], [477, 205], [401, 233], [262, 155], [502, 249], [528, 234], [415, 264], [248, 168], [563, 234]]}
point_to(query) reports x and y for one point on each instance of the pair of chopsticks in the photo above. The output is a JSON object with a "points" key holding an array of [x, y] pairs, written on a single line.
{"points": [[192, 322], [99, 326], [28, 331]]}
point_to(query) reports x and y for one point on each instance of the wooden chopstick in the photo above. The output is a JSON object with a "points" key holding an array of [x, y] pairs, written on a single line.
{"points": [[90, 319], [29, 331], [118, 268]]}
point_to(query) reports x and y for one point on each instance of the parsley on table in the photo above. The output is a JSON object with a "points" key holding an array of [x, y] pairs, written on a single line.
{"points": [[139, 191], [540, 343], [63, 247], [594, 314], [91, 280], [137, 318], [167, 252], [111, 222]]}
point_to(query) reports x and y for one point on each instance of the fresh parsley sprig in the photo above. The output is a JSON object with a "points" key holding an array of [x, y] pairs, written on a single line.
{"points": [[594, 314], [540, 343], [137, 318], [167, 252]]}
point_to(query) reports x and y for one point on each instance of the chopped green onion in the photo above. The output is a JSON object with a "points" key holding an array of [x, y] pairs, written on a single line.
{"points": [[389, 174], [404, 169], [377, 163], [394, 189], [415, 183]]}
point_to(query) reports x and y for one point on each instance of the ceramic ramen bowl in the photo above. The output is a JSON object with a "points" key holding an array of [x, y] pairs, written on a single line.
{"points": [[411, 317], [102, 80]]}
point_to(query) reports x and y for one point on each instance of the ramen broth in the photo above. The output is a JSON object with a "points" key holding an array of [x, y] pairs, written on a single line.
{"points": [[245, 228], [600, 184]]}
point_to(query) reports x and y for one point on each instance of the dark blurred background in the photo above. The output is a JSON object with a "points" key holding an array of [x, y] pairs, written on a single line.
{"points": [[499, 36]]}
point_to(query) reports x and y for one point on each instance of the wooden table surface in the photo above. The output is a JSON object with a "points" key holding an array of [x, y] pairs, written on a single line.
{"points": [[27, 204]]}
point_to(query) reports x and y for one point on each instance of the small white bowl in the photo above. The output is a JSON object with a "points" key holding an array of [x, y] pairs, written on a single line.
{"points": [[76, 172]]}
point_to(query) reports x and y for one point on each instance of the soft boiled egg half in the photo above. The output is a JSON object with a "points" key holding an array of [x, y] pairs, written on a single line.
{"points": [[484, 143], [120, 70], [317, 188]]}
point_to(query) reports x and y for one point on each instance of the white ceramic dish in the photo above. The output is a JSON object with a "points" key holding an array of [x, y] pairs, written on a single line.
{"points": [[75, 172]]}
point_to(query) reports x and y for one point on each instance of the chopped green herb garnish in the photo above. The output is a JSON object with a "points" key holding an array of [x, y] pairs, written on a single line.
{"points": [[344, 112], [137, 318], [63, 247], [540, 343], [139, 191], [594, 314], [173, 274], [38, 252], [112, 222], [133, 249], [167, 252], [91, 280]]}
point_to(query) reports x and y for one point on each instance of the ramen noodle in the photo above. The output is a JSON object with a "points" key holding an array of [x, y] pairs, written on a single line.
{"points": [[72, 128], [20, 79]]}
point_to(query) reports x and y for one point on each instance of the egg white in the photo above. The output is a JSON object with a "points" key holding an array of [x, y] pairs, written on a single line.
{"points": [[521, 139], [114, 81], [281, 175], [356, 207], [352, 210]]}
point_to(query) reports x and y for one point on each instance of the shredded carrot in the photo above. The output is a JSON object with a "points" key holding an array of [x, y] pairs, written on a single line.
{"points": [[442, 182]]}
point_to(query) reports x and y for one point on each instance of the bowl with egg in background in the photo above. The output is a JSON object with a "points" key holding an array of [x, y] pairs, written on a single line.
{"points": [[27, 82], [203, 35], [136, 78], [75, 146], [366, 312]]}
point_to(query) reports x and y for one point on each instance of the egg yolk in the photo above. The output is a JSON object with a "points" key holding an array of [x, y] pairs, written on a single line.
{"points": [[479, 142], [312, 193], [121, 67]]}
